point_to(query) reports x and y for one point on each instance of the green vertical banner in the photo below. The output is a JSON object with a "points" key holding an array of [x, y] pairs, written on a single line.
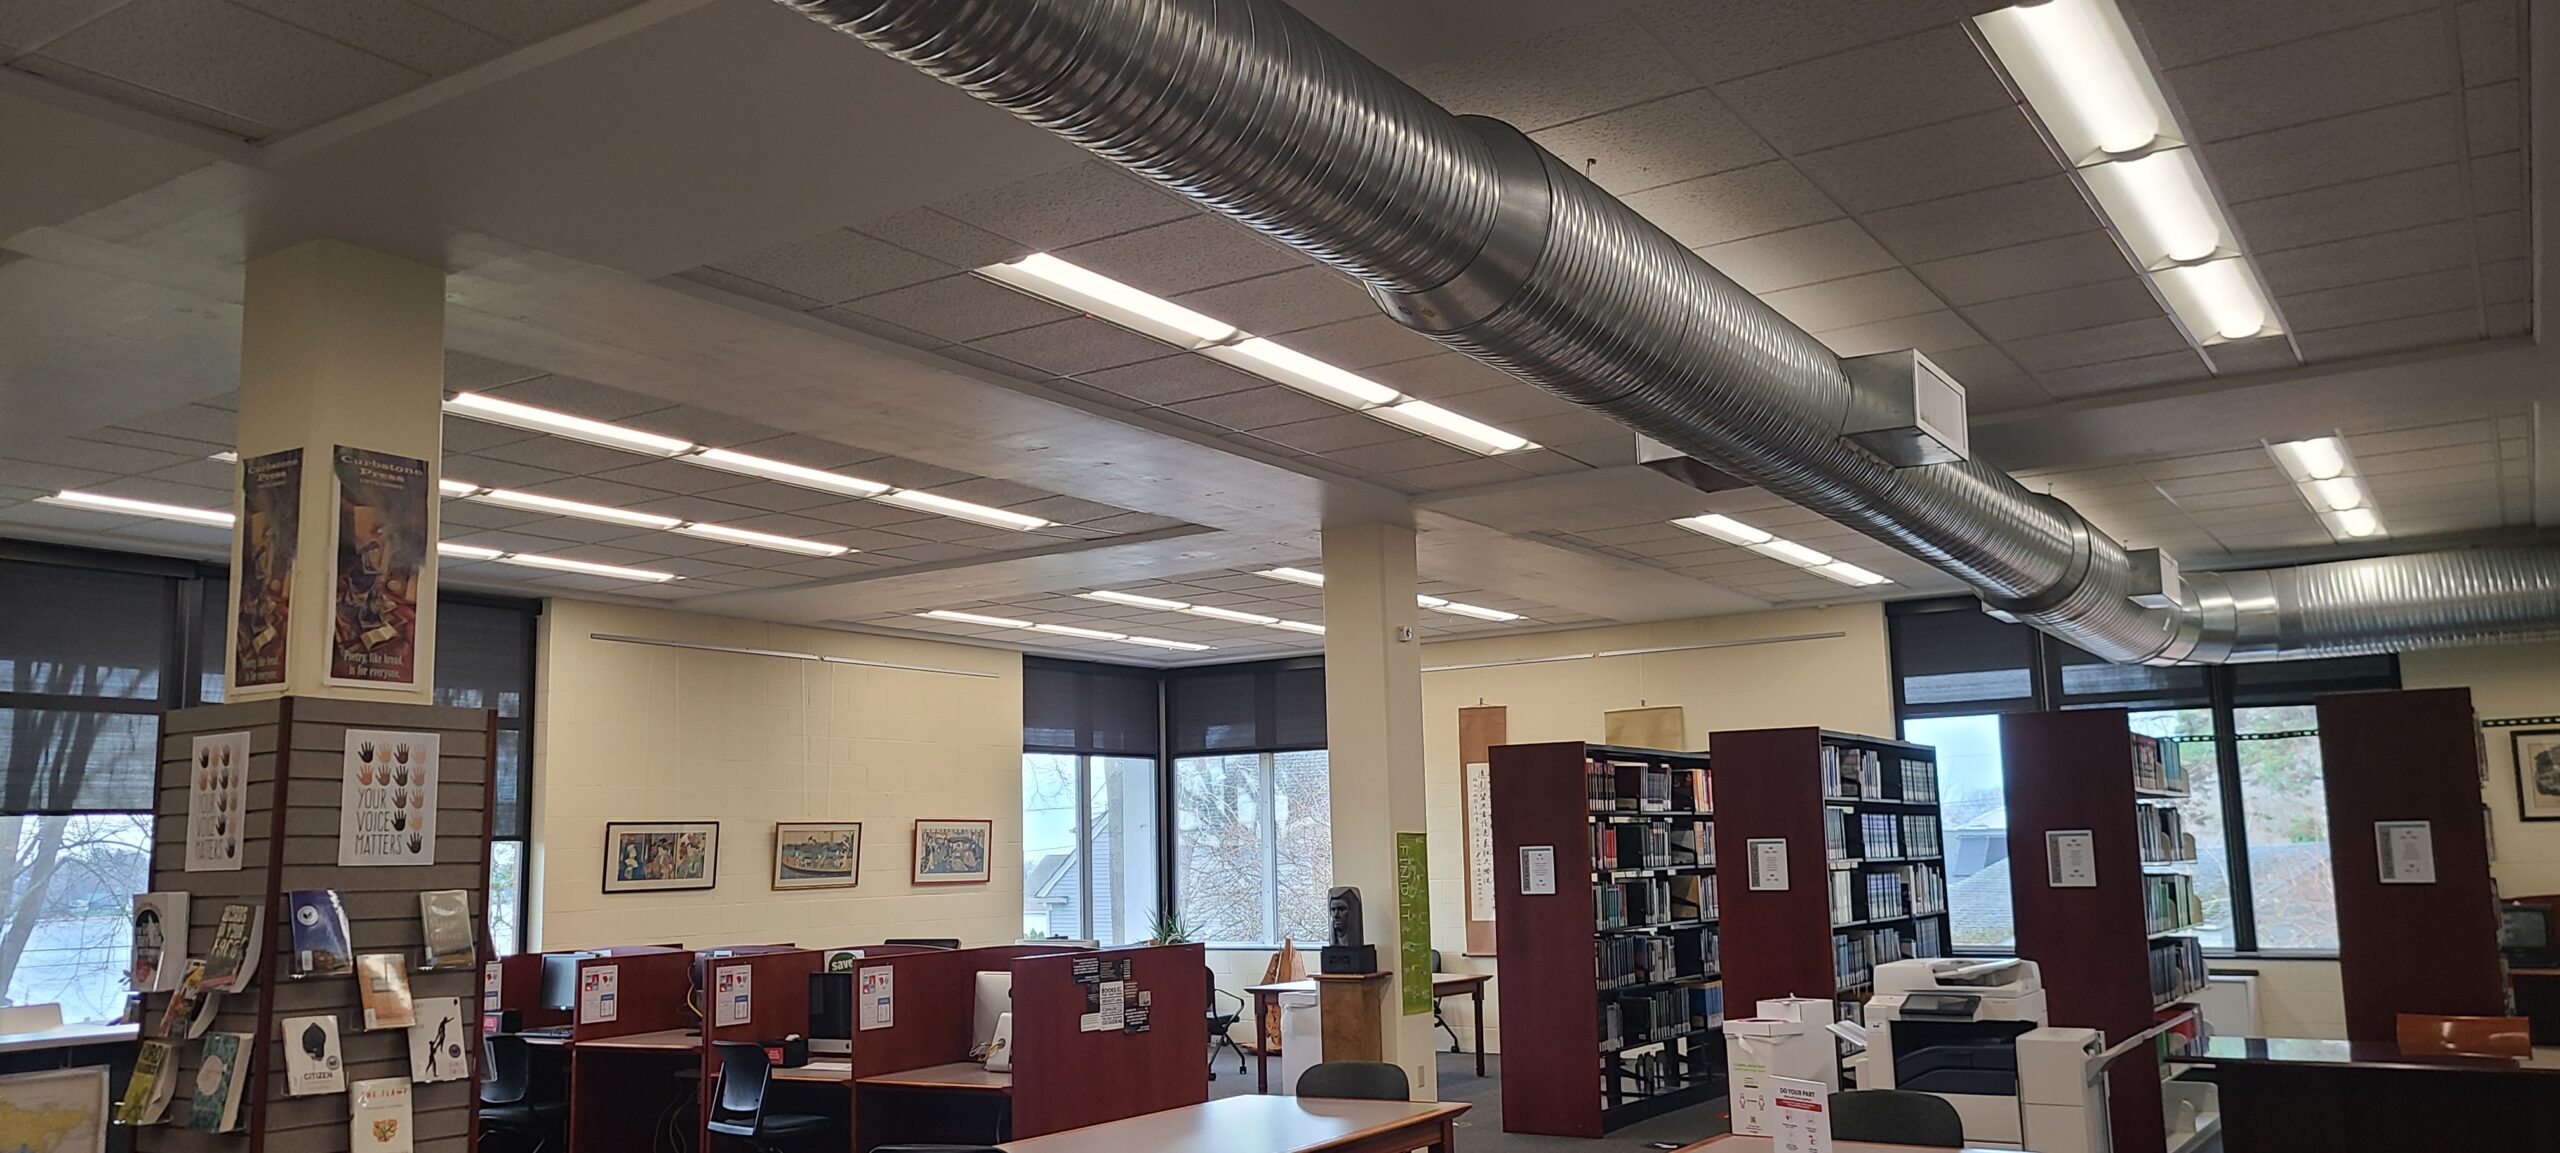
{"points": [[1413, 920]]}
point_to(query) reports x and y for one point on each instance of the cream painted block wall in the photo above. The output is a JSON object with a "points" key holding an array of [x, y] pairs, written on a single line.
{"points": [[634, 733], [1842, 682], [2505, 681]]}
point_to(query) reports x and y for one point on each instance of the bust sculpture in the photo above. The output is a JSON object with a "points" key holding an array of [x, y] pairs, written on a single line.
{"points": [[1342, 908], [1347, 951]]}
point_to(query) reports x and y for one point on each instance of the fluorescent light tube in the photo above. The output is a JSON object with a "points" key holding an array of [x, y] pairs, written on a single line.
{"points": [[928, 502], [1299, 627], [1477, 611], [1155, 643], [1284, 365], [536, 502], [226, 456], [1133, 599], [2339, 493], [99, 502], [762, 540], [2161, 204], [452, 487], [1428, 602], [2359, 523], [1086, 290], [1215, 612], [1296, 575], [1849, 574], [2219, 301], [446, 548], [785, 472], [525, 416], [2319, 458], [585, 568], [2077, 65], [1440, 424], [1087, 634], [1792, 553], [976, 619], [1724, 528]]}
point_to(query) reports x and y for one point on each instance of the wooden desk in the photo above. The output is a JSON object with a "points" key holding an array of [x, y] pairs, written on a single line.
{"points": [[1264, 1124], [546, 1040], [957, 1103], [1730, 1143], [2369, 1097], [962, 1076], [662, 1041], [817, 1073], [1442, 985]]}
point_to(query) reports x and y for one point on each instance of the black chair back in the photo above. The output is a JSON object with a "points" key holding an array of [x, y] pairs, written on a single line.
{"points": [[1435, 962], [506, 1069], [738, 1108], [1363, 1080], [1895, 1116]]}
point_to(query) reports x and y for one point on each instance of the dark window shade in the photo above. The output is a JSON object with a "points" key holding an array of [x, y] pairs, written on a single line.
{"points": [[484, 657], [2085, 675], [1962, 655], [2296, 682], [83, 632], [1246, 708], [1072, 707], [76, 761]]}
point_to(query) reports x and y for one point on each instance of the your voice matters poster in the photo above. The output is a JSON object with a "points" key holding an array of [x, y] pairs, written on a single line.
{"points": [[387, 809], [381, 557]]}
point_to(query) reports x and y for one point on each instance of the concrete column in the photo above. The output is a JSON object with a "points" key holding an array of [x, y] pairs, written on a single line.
{"points": [[1373, 725], [340, 346]]}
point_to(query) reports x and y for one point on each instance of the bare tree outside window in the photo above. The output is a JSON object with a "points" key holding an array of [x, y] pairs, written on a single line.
{"points": [[1253, 846]]}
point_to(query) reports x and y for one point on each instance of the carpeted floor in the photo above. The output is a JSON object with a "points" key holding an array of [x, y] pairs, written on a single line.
{"points": [[1480, 1131]]}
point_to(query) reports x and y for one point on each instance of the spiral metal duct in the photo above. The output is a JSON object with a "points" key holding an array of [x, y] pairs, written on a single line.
{"points": [[1470, 233]]}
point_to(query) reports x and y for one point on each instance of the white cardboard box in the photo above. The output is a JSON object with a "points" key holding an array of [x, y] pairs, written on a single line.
{"points": [[1758, 1049]]}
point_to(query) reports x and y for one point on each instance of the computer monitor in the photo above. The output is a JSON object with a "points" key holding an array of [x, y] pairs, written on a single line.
{"points": [[2524, 933], [995, 999], [560, 981], [831, 1013]]}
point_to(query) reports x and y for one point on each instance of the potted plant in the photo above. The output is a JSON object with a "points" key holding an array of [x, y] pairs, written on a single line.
{"points": [[1166, 928]]}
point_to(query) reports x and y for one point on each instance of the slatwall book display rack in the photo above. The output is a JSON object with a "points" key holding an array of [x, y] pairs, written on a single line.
{"points": [[382, 912], [1856, 821], [1604, 870]]}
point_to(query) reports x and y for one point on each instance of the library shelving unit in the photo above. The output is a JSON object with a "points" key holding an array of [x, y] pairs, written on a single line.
{"points": [[2083, 781], [2409, 941], [1604, 866], [1856, 820]]}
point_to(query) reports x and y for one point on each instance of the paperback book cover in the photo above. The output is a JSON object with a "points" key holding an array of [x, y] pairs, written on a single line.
{"points": [[232, 960], [220, 1081], [382, 979], [159, 919], [321, 942], [208, 1005], [182, 1001], [313, 1064], [437, 1042], [154, 1083], [446, 913], [378, 1115]]}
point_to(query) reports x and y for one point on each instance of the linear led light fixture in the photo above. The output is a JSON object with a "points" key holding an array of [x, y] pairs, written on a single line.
{"points": [[531, 419], [982, 620], [534, 502], [226, 456], [2326, 476], [100, 502], [2077, 65], [787, 473], [1094, 294], [472, 552], [1296, 576], [960, 509], [1769, 544], [1454, 608], [1213, 612]]}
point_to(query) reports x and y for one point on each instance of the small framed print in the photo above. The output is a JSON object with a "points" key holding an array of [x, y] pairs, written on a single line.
{"points": [[817, 854], [2537, 773], [953, 852], [646, 858]]}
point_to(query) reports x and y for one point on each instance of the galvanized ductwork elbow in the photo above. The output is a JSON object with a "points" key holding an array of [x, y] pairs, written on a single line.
{"points": [[1470, 233]]}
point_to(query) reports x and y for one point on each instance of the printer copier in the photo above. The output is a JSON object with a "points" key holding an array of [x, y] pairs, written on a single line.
{"points": [[1973, 1031]]}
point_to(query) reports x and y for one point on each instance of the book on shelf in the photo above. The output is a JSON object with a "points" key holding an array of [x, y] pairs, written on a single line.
{"points": [[182, 1001], [2156, 767], [1880, 837], [322, 943], [2177, 969], [445, 914], [1918, 778], [313, 1062], [1857, 952], [1693, 843], [1641, 788], [154, 1085], [1706, 1005], [1692, 791], [1693, 897], [1920, 836], [1851, 772], [1929, 937], [378, 1116], [1835, 834], [1844, 908], [159, 941], [382, 984], [221, 1080], [2162, 833], [437, 1041], [231, 961], [1600, 786], [2169, 903]]}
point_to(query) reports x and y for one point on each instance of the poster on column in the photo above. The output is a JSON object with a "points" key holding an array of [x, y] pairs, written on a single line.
{"points": [[217, 801], [387, 806], [1413, 920], [380, 557], [270, 537]]}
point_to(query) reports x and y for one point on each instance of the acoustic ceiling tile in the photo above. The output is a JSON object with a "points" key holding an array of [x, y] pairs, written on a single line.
{"points": [[2496, 117], [2367, 66], [1441, 376], [2109, 376], [1933, 333], [2232, 358], [2183, 32], [1665, 141], [1536, 82], [2429, 292], [1984, 150], [2333, 151], [1854, 300], [2127, 297], [2381, 204], [412, 35], [1362, 342], [2360, 259], [1332, 433], [1732, 205], [960, 308], [1075, 346], [836, 265], [2122, 341], [953, 242], [225, 57], [1057, 209], [1182, 255], [1723, 39], [1257, 408], [522, 23], [1798, 256], [2390, 335], [1922, 78], [2487, 32], [1172, 380], [2021, 269], [1281, 302], [1980, 221]]}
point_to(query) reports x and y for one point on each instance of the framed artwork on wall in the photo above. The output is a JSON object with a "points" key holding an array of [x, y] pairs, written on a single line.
{"points": [[649, 858], [953, 852], [2537, 773], [817, 854]]}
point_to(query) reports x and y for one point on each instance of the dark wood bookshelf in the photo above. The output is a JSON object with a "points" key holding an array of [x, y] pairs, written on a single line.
{"points": [[1561, 1075]]}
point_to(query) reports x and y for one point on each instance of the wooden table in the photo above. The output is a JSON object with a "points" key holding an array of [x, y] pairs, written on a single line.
{"points": [[964, 1076], [957, 1103], [817, 1072], [1265, 1124], [1442, 985], [1730, 1143], [662, 1041], [2370, 1097]]}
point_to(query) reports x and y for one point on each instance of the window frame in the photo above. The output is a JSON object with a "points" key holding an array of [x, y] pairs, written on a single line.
{"points": [[1268, 821], [531, 610], [2221, 692]]}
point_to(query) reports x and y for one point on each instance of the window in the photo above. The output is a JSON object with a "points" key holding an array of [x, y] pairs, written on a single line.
{"points": [[485, 660], [2244, 732], [1091, 864], [1253, 844]]}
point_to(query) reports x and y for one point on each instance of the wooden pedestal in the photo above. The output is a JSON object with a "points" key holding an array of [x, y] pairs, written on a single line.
{"points": [[1353, 1008]]}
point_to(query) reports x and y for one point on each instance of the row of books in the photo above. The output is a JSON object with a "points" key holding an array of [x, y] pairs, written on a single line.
{"points": [[1908, 891], [1919, 779], [1849, 835], [2162, 831], [1652, 845], [323, 944], [2156, 767], [2169, 903], [1920, 836], [2177, 969], [1642, 788], [1641, 901], [1929, 937], [440, 1041], [1848, 772], [1856, 953], [1648, 1074]]}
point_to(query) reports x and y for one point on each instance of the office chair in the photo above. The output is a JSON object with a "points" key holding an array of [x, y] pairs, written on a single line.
{"points": [[2422, 1033], [1895, 1117], [506, 1083], [1221, 1021], [1360, 1080], [1436, 1018], [738, 1108]]}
